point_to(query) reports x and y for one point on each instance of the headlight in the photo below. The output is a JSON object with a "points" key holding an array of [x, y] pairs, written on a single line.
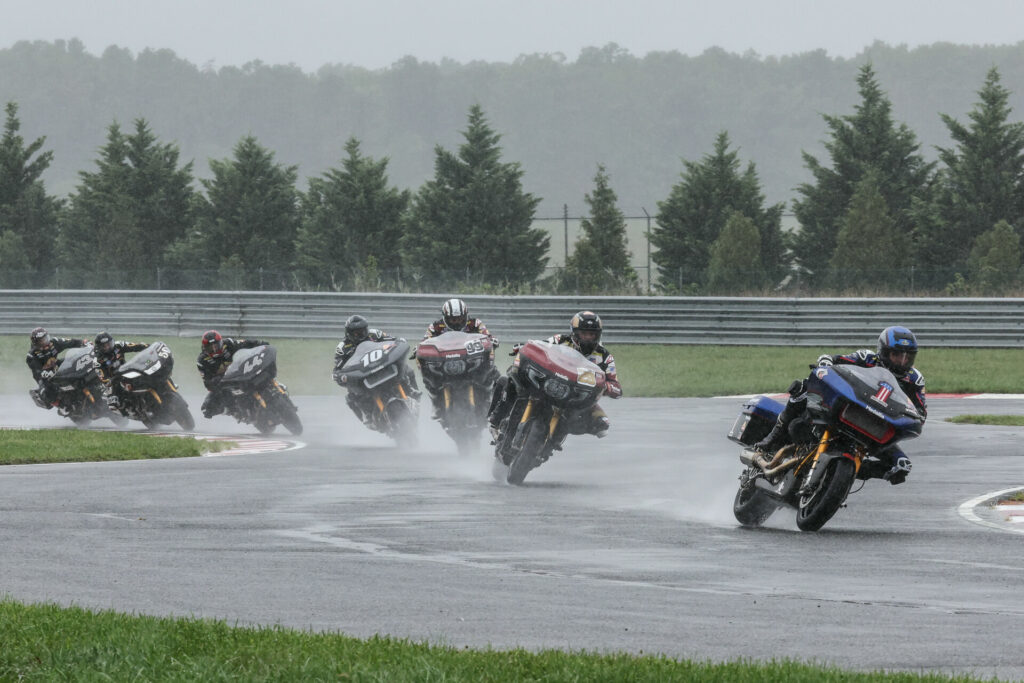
{"points": [[454, 367], [556, 389], [130, 375]]}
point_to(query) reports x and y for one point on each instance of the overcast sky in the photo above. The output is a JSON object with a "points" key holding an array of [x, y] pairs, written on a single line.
{"points": [[376, 33]]}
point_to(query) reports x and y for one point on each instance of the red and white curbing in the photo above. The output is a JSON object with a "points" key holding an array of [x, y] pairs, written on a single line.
{"points": [[246, 445]]}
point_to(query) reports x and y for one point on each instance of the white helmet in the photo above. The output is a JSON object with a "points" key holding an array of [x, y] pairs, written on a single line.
{"points": [[455, 314]]}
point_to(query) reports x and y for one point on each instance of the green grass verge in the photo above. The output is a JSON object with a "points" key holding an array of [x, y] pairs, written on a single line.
{"points": [[645, 370], [1004, 420], [46, 642], [26, 446]]}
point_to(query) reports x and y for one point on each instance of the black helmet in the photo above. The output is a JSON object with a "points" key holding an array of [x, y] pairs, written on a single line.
{"points": [[213, 343], [103, 344], [357, 329], [455, 314], [898, 340], [585, 331], [40, 339]]}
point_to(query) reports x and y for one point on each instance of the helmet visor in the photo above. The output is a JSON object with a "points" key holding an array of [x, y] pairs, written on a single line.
{"points": [[41, 342]]}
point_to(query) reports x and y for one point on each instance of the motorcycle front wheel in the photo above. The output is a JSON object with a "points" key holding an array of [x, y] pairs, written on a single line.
{"points": [[526, 458], [819, 505], [179, 408]]}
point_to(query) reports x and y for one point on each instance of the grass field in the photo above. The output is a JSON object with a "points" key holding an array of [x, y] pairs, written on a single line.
{"points": [[645, 370], [23, 446], [45, 642]]}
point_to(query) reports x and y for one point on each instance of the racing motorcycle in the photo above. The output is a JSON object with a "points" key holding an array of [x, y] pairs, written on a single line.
{"points": [[376, 374], [462, 365], [150, 395], [853, 415], [254, 396], [80, 393], [556, 387]]}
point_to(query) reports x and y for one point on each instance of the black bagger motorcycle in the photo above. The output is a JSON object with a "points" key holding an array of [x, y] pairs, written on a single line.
{"points": [[254, 396], [80, 393], [149, 394], [376, 373]]}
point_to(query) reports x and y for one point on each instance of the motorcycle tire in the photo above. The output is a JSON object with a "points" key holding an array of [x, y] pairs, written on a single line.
{"points": [[179, 408], [403, 424], [526, 458], [752, 506], [288, 414], [118, 419], [818, 507], [81, 420]]}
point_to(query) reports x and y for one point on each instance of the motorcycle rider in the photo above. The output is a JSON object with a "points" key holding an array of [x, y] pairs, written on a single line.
{"points": [[109, 357], [213, 360], [896, 351], [358, 330], [584, 335], [42, 360], [454, 318]]}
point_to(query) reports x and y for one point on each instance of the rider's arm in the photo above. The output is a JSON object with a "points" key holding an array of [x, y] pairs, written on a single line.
{"points": [[35, 365], [612, 387]]}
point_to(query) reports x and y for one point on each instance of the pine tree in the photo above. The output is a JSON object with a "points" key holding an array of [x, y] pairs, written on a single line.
{"points": [[867, 140], [352, 223], [600, 260], [994, 261], [473, 221], [692, 217], [248, 221], [870, 253], [735, 265], [28, 216], [124, 215], [981, 184]]}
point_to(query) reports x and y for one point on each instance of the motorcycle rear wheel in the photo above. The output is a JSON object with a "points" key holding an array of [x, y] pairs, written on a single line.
{"points": [[817, 508], [752, 506]]}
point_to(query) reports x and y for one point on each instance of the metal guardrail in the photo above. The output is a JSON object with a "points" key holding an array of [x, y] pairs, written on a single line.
{"points": [[845, 323]]}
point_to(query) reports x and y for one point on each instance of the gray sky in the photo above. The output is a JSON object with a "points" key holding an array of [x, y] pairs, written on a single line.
{"points": [[376, 33]]}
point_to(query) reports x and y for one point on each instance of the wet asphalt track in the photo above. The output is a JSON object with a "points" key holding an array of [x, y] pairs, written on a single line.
{"points": [[623, 544]]}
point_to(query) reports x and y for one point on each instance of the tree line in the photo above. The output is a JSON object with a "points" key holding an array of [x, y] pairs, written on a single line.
{"points": [[875, 217]]}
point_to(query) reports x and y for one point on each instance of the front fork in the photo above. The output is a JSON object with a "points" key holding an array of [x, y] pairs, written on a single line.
{"points": [[813, 457]]}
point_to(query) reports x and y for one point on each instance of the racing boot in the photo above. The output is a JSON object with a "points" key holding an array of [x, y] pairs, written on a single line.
{"points": [[598, 424], [779, 436]]}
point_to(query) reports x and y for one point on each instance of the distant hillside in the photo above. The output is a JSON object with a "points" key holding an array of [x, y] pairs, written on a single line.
{"points": [[637, 115]]}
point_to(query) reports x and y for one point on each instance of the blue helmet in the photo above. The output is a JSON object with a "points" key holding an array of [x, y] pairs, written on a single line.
{"points": [[900, 340]]}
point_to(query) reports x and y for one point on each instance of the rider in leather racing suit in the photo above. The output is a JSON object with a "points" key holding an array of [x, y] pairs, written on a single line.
{"points": [[42, 360], [358, 330], [896, 351], [109, 357], [584, 336], [212, 361]]}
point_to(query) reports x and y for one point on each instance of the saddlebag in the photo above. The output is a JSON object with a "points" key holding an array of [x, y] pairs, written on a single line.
{"points": [[755, 420]]}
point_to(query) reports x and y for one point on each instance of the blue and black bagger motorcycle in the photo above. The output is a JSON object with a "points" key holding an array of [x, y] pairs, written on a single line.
{"points": [[853, 415]]}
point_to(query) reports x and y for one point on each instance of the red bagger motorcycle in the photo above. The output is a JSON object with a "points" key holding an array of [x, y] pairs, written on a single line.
{"points": [[555, 389], [460, 366]]}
